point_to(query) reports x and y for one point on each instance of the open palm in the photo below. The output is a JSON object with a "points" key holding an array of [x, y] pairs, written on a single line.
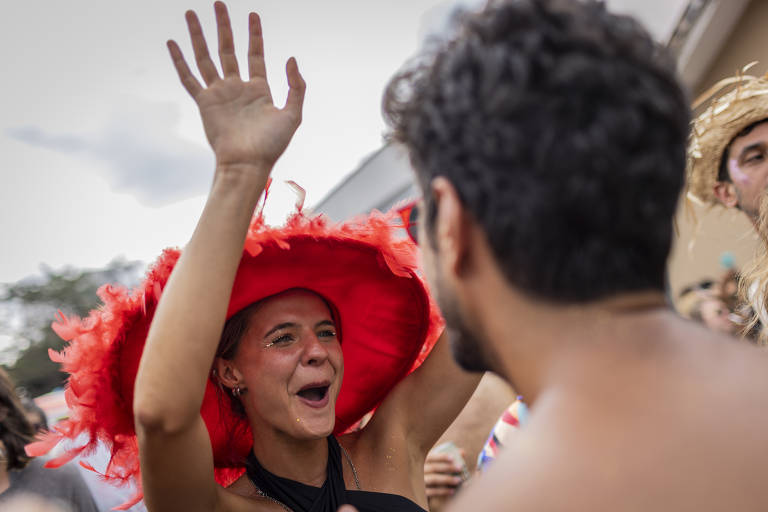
{"points": [[241, 122]]}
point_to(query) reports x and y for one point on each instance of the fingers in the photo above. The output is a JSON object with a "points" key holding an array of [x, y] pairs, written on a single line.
{"points": [[440, 491], [226, 43], [441, 467], [188, 80], [295, 102], [441, 480], [441, 476], [256, 67], [440, 457], [440, 462], [204, 63]]}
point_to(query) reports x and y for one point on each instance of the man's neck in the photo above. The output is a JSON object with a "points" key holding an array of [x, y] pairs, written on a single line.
{"points": [[536, 342]]}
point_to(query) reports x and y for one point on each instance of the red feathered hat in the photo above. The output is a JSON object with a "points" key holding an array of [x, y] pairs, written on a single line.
{"points": [[365, 268]]}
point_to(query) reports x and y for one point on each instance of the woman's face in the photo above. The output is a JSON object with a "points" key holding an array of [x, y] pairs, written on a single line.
{"points": [[291, 365]]}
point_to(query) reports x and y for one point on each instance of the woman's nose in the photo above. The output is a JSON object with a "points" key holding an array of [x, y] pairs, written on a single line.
{"points": [[315, 352]]}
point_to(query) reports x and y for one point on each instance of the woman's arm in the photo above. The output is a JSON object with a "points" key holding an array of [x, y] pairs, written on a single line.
{"points": [[247, 133], [423, 405]]}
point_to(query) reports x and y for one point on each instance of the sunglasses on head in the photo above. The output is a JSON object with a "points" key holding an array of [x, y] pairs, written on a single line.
{"points": [[409, 214]]}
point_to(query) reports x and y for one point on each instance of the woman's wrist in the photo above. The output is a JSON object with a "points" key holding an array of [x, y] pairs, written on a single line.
{"points": [[248, 179], [242, 173]]}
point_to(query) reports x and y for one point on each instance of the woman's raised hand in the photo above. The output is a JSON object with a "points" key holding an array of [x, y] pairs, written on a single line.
{"points": [[242, 124]]}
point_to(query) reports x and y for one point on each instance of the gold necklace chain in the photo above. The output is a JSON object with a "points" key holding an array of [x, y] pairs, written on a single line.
{"points": [[273, 500], [286, 507]]}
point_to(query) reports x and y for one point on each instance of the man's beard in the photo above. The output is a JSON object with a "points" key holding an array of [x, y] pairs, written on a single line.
{"points": [[751, 213], [469, 351]]}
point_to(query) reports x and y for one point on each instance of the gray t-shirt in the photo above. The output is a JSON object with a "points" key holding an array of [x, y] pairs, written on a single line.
{"points": [[64, 486]]}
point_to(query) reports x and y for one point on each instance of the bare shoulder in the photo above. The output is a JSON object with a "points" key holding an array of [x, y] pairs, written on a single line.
{"points": [[679, 432], [540, 470]]}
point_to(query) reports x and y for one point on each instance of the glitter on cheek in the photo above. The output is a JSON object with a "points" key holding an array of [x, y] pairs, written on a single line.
{"points": [[737, 174]]}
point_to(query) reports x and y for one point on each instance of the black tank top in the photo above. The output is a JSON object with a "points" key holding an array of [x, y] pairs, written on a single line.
{"points": [[300, 497]]}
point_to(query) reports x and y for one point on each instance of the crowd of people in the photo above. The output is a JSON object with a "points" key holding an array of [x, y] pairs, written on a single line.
{"points": [[717, 304], [24, 483], [506, 341]]}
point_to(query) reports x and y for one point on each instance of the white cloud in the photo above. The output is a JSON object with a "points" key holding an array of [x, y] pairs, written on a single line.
{"points": [[115, 161], [139, 150]]}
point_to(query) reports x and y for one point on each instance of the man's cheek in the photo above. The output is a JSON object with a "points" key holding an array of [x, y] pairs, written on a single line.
{"points": [[737, 173]]}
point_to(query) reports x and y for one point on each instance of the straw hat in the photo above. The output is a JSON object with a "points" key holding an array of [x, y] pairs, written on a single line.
{"points": [[715, 128]]}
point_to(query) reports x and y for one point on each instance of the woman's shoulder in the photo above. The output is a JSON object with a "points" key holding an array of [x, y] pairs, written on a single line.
{"points": [[242, 487]]}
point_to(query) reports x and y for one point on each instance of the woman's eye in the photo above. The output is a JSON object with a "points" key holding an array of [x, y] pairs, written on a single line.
{"points": [[757, 157], [328, 333], [285, 339]]}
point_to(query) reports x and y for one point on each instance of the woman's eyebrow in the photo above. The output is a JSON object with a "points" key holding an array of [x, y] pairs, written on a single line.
{"points": [[325, 322], [278, 327]]}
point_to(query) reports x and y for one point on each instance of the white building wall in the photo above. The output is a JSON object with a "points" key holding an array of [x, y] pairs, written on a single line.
{"points": [[385, 177], [382, 180]]}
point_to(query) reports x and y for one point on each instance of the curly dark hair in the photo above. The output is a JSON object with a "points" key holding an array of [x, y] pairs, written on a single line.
{"points": [[563, 128], [15, 429]]}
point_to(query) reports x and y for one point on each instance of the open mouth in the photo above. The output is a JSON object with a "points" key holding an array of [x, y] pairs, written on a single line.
{"points": [[315, 394]]}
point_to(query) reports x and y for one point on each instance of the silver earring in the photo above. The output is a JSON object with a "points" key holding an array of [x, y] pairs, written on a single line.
{"points": [[236, 391]]}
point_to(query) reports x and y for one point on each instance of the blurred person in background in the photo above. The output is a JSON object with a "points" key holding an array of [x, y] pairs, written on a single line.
{"points": [[728, 288], [728, 148], [32, 503], [728, 166], [718, 305], [706, 307], [22, 475], [35, 414], [549, 140], [754, 281], [502, 434], [453, 459], [105, 496], [446, 470]]}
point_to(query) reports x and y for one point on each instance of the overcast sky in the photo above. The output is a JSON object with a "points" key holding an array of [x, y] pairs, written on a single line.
{"points": [[102, 150]]}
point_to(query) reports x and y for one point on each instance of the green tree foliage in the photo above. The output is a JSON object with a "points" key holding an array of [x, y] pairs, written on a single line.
{"points": [[28, 307]]}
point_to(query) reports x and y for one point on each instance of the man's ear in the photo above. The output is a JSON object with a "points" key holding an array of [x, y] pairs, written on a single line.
{"points": [[451, 226], [725, 192], [228, 375]]}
